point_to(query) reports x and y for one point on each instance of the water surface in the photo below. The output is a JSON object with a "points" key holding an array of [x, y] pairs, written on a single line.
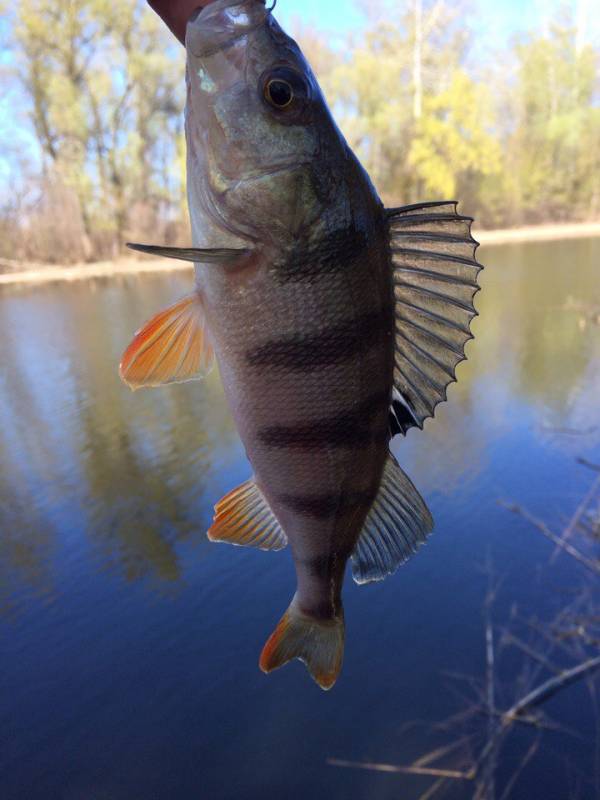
{"points": [[129, 643]]}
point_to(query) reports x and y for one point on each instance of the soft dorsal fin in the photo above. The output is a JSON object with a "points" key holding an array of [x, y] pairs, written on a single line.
{"points": [[171, 348], [435, 280], [397, 524], [244, 518]]}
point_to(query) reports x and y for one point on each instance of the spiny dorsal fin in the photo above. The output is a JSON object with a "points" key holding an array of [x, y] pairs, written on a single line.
{"points": [[171, 348], [435, 280], [397, 524], [243, 517]]}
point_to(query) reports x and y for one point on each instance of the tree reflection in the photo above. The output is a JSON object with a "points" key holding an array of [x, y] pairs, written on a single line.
{"points": [[79, 449]]}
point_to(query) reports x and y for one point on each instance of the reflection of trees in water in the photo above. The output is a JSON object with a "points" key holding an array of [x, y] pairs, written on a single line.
{"points": [[25, 550], [528, 349], [524, 320], [80, 449], [27, 532], [451, 434]]}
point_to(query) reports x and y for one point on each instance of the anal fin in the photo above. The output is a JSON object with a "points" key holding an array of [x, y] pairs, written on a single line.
{"points": [[171, 348], [244, 518], [397, 524]]}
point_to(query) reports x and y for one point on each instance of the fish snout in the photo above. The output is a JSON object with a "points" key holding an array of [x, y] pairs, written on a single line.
{"points": [[220, 23]]}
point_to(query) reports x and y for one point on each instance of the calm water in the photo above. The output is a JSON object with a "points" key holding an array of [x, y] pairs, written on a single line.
{"points": [[129, 644]]}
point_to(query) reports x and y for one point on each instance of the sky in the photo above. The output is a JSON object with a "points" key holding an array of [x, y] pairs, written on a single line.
{"points": [[501, 19], [330, 14]]}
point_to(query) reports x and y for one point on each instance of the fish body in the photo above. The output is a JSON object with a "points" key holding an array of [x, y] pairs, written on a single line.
{"points": [[336, 323]]}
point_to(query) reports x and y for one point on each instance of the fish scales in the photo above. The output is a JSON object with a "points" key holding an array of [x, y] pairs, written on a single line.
{"points": [[336, 323], [310, 401]]}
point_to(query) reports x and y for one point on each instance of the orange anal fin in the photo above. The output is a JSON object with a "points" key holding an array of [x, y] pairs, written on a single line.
{"points": [[244, 518], [172, 347]]}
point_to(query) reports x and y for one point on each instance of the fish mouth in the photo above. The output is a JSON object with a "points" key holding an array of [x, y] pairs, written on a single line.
{"points": [[219, 24]]}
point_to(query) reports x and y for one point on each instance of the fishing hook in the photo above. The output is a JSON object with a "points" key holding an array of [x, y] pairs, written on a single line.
{"points": [[271, 8]]}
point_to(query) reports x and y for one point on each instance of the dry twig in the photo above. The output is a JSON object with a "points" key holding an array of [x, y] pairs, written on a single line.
{"points": [[593, 565]]}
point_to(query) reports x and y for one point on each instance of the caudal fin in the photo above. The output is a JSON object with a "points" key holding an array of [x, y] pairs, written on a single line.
{"points": [[318, 643]]}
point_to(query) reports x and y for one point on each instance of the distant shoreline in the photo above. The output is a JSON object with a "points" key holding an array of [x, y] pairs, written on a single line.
{"points": [[40, 273], [51, 273], [539, 233]]}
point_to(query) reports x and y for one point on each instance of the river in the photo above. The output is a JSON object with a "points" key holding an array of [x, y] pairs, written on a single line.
{"points": [[129, 643]]}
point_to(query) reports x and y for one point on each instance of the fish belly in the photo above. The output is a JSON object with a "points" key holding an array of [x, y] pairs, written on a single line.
{"points": [[307, 367]]}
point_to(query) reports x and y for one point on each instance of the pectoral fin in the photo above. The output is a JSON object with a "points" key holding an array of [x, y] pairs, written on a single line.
{"points": [[172, 347], [198, 255]]}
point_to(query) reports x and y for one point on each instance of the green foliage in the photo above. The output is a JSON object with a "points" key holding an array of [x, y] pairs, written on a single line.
{"points": [[554, 147], [104, 80], [450, 141], [516, 143], [414, 115]]}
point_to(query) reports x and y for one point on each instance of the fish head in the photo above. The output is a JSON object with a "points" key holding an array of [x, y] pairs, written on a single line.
{"points": [[261, 142]]}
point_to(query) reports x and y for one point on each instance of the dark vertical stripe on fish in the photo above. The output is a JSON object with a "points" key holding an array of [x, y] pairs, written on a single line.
{"points": [[322, 506], [349, 429], [306, 352], [336, 252]]}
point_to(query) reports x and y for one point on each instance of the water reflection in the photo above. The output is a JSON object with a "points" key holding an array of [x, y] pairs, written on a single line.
{"points": [[82, 457], [120, 479], [526, 333]]}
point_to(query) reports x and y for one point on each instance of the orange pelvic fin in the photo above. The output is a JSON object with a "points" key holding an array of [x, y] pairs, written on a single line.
{"points": [[244, 518], [171, 348], [318, 643]]}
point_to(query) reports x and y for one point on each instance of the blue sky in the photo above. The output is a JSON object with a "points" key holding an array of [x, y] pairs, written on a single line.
{"points": [[499, 18], [330, 14], [497, 21]]}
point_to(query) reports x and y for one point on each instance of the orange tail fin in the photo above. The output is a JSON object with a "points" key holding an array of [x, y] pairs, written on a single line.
{"points": [[318, 643]]}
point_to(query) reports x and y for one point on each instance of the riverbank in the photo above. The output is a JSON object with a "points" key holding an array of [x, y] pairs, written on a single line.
{"points": [[539, 233], [42, 273]]}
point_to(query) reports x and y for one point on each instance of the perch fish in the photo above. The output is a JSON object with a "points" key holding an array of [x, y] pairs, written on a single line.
{"points": [[337, 323]]}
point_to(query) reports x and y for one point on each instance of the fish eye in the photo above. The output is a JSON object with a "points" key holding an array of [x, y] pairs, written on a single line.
{"points": [[279, 93], [283, 87]]}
